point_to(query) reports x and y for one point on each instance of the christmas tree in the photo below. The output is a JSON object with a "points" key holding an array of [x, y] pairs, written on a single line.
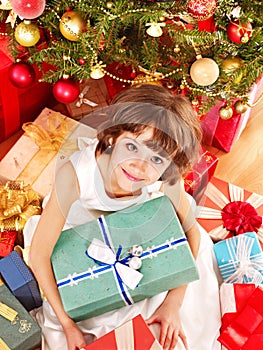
{"points": [[208, 50]]}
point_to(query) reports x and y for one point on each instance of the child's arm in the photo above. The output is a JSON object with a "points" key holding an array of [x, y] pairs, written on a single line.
{"points": [[168, 314], [51, 223]]}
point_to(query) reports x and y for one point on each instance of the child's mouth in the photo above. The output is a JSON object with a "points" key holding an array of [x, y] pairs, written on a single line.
{"points": [[130, 177]]}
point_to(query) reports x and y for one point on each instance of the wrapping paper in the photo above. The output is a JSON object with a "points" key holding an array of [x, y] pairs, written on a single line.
{"points": [[22, 333], [242, 316], [89, 267], [7, 242], [132, 335], [229, 210], [93, 96], [196, 181], [19, 105], [240, 259], [223, 134], [20, 281], [46, 145]]}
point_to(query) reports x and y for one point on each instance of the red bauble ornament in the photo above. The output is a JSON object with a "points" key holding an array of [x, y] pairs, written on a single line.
{"points": [[28, 9], [66, 90], [239, 33], [21, 74], [81, 61], [201, 9]]}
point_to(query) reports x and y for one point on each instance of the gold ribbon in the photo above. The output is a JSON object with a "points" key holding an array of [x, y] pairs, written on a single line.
{"points": [[17, 204], [49, 142], [3, 345], [7, 312]]}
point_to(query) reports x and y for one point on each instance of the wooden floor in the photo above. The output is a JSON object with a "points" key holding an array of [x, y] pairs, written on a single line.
{"points": [[242, 166]]}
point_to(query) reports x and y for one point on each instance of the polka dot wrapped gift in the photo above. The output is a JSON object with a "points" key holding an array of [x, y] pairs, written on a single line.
{"points": [[228, 210]]}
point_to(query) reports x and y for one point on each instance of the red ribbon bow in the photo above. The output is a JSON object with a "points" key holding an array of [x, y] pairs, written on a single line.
{"points": [[240, 217]]}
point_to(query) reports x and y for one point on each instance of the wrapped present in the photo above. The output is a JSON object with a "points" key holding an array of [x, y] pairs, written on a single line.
{"points": [[7, 242], [229, 210], [240, 259], [90, 261], [132, 335], [20, 281], [196, 181], [114, 86], [221, 133], [19, 105], [244, 328], [45, 145], [18, 330], [92, 96]]}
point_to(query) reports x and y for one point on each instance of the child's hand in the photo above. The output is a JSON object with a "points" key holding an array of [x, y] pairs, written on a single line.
{"points": [[171, 328], [75, 338]]}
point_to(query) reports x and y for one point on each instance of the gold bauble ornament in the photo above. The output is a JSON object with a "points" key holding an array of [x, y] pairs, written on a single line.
{"points": [[27, 34], [225, 112], [177, 49], [109, 4], [204, 71], [231, 64], [72, 25], [240, 107]]}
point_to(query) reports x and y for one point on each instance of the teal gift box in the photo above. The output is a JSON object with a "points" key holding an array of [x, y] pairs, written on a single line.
{"points": [[240, 259], [90, 261], [18, 330]]}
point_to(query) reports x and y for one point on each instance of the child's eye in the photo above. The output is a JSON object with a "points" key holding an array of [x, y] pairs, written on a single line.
{"points": [[157, 160], [131, 147]]}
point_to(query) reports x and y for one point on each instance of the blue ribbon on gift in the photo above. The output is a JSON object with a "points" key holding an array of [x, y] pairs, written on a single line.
{"points": [[73, 279]]}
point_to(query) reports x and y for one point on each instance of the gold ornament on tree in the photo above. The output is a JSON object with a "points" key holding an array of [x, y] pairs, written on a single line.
{"points": [[27, 34], [204, 71], [72, 25], [225, 112], [240, 107], [230, 65]]}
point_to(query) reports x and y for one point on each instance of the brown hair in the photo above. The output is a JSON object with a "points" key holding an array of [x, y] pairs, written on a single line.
{"points": [[176, 128]]}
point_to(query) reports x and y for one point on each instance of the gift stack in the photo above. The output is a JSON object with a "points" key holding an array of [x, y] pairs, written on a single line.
{"points": [[240, 260]]}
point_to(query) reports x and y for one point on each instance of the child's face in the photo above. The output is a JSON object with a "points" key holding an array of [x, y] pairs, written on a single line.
{"points": [[133, 165]]}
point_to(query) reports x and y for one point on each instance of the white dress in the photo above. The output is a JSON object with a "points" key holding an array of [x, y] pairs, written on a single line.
{"points": [[200, 312]]}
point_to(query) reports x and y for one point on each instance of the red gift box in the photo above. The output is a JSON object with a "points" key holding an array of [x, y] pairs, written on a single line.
{"points": [[132, 335], [114, 86], [195, 182], [242, 320], [7, 242], [19, 105], [221, 133], [229, 210]]}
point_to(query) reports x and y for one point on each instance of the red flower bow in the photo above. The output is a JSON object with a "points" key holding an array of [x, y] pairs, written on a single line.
{"points": [[240, 217]]}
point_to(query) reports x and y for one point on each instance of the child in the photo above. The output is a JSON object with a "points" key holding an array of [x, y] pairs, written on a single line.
{"points": [[140, 146]]}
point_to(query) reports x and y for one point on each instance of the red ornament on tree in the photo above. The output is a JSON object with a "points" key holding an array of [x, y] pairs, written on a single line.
{"points": [[21, 74], [201, 9], [239, 33], [28, 9], [66, 90]]}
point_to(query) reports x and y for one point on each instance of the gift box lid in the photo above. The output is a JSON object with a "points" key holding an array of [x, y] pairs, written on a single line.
{"points": [[134, 334], [167, 261], [20, 280], [23, 333]]}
